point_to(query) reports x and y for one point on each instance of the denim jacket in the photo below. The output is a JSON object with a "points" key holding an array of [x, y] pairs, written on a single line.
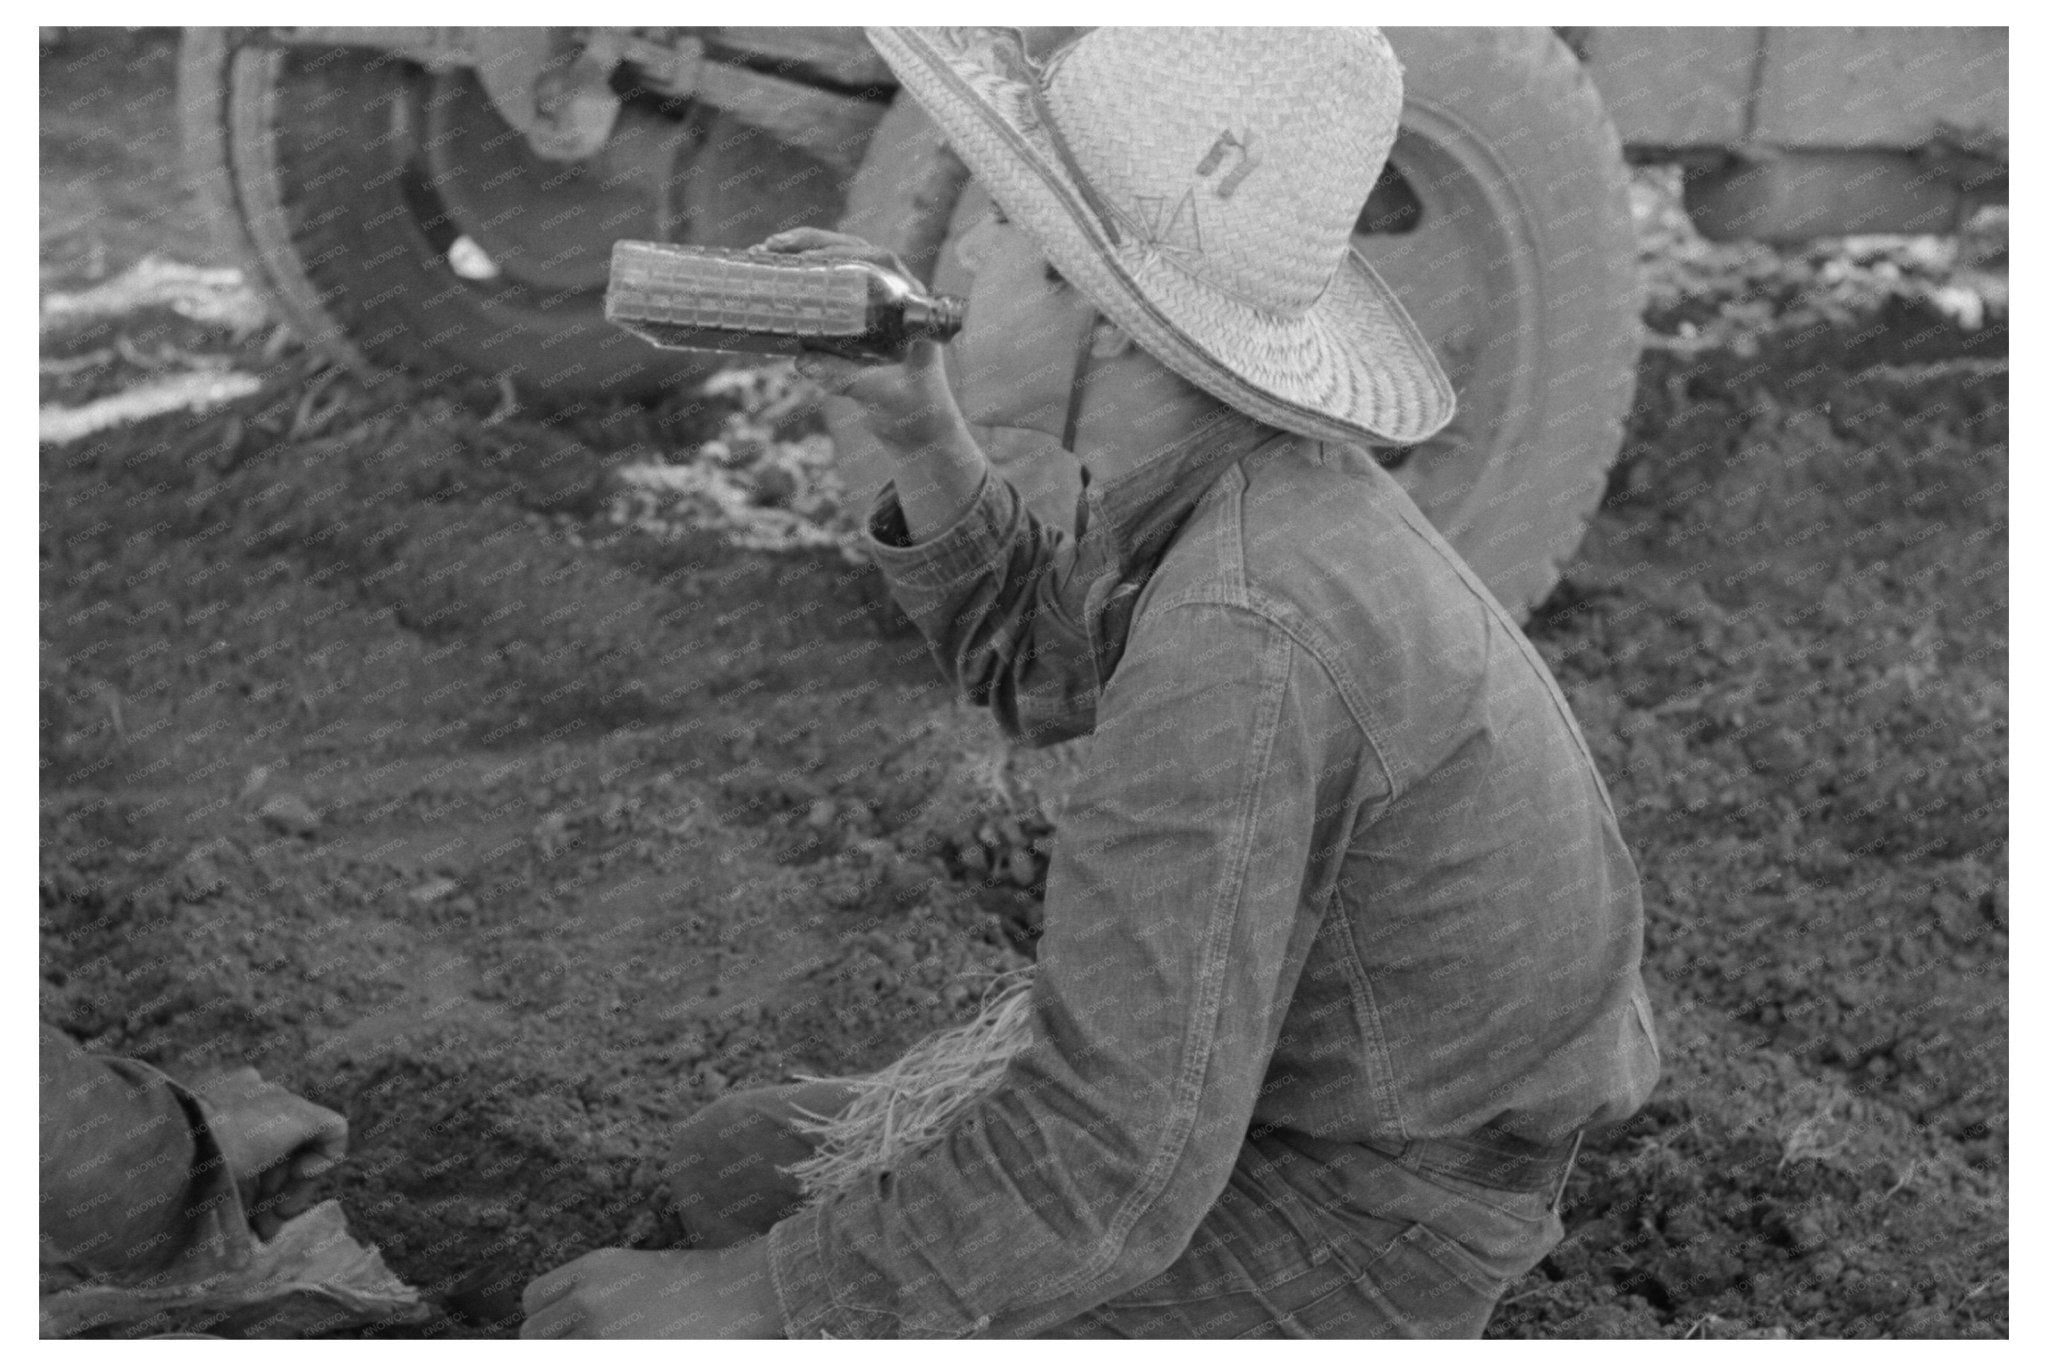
{"points": [[1339, 865]]}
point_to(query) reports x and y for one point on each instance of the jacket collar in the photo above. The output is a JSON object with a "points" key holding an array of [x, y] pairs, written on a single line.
{"points": [[1136, 514], [1125, 525]]}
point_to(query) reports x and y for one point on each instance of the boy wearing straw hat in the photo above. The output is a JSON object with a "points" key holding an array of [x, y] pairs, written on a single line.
{"points": [[1341, 943]]}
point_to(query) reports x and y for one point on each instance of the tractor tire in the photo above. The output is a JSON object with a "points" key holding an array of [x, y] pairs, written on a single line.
{"points": [[1506, 230], [1503, 224], [333, 169]]}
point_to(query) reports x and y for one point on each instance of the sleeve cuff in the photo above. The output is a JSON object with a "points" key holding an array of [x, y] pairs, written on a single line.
{"points": [[796, 1264], [214, 1236], [962, 551], [221, 1239]]}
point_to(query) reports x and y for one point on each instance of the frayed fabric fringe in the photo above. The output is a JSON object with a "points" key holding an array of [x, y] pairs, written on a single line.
{"points": [[912, 1101]]}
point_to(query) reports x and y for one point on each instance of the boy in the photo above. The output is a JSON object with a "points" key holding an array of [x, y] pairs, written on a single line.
{"points": [[1341, 943]]}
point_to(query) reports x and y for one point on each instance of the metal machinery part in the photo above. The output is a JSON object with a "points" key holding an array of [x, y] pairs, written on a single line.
{"points": [[1787, 134], [555, 84], [442, 201]]}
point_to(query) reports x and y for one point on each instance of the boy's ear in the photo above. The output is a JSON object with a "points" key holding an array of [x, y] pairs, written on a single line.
{"points": [[1109, 340]]}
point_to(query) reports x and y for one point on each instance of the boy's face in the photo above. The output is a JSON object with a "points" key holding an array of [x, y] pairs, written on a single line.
{"points": [[1014, 359]]}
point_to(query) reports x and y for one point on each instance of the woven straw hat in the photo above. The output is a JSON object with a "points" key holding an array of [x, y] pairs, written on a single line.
{"points": [[1200, 186]]}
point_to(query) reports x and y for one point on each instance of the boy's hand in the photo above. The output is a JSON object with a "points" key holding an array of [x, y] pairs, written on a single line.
{"points": [[901, 402], [276, 1144], [618, 1293]]}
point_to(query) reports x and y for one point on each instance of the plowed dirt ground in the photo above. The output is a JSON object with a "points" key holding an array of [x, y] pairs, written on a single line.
{"points": [[375, 755]]}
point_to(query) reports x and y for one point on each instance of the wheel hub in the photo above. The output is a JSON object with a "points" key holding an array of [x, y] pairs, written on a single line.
{"points": [[547, 223]]}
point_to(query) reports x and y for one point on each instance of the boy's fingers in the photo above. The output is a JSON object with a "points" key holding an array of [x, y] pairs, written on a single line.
{"points": [[814, 239], [310, 1166], [552, 1322], [542, 1290], [815, 235], [839, 245], [326, 1131]]}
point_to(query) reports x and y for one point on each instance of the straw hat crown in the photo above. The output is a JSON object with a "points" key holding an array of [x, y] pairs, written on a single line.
{"points": [[1201, 187], [1243, 164]]}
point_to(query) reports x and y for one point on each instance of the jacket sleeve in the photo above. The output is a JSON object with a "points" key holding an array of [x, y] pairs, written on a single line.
{"points": [[1175, 932], [997, 597], [132, 1180]]}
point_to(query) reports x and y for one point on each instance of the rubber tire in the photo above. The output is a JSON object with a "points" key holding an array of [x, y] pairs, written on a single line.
{"points": [[1545, 376], [1546, 383], [301, 154]]}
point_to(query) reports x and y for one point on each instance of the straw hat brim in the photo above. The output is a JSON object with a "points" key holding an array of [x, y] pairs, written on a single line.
{"points": [[1352, 367]]}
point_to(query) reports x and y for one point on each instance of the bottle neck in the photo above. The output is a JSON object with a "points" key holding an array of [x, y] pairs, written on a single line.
{"points": [[937, 317]]}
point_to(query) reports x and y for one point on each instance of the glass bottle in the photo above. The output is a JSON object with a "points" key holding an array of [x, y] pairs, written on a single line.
{"points": [[719, 299]]}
